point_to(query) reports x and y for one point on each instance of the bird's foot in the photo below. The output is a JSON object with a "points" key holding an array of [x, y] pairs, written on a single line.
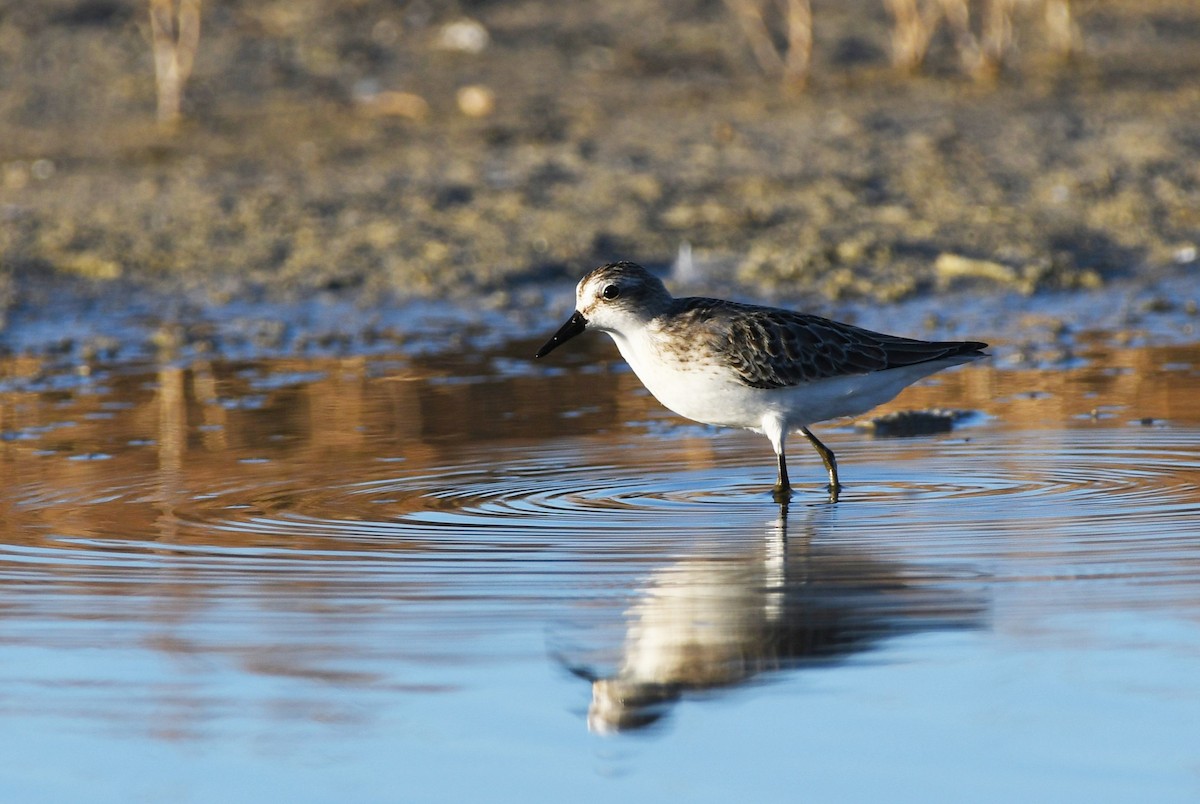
{"points": [[834, 490], [781, 494]]}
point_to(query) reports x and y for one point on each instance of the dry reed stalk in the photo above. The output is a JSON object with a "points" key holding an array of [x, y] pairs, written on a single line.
{"points": [[1061, 31], [791, 61], [995, 39], [958, 18], [175, 36], [798, 14], [914, 23], [754, 28], [913, 26]]}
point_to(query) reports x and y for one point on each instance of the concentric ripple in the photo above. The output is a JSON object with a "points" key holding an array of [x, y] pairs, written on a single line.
{"points": [[1131, 479], [1112, 475], [380, 484]]}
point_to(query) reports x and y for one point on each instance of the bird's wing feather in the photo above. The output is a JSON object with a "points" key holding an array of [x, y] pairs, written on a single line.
{"points": [[774, 348]]}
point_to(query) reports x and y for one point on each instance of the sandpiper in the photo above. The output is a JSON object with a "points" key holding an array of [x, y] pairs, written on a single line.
{"points": [[764, 369]]}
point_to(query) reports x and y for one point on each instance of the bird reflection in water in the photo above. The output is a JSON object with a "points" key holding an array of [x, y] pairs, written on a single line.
{"points": [[709, 623]]}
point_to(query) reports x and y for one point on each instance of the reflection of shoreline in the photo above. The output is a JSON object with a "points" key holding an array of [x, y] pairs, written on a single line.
{"points": [[708, 623], [305, 418]]}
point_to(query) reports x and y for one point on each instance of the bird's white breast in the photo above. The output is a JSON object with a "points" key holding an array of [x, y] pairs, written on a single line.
{"points": [[696, 386]]}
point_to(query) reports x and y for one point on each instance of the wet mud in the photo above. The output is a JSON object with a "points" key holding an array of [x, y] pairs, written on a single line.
{"points": [[304, 168]]}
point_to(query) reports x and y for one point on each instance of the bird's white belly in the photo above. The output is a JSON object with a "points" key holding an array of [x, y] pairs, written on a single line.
{"points": [[708, 398], [714, 400], [705, 392]]}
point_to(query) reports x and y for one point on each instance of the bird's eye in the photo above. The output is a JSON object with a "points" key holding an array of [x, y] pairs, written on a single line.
{"points": [[610, 292]]}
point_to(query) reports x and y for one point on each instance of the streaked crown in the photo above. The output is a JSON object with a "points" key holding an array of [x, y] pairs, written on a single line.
{"points": [[619, 293]]}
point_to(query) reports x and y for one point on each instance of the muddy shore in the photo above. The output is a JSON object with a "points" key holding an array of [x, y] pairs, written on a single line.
{"points": [[327, 153]]}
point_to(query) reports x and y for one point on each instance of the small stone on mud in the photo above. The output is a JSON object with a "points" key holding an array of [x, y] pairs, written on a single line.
{"points": [[464, 35], [908, 423], [476, 100], [952, 267], [394, 104]]}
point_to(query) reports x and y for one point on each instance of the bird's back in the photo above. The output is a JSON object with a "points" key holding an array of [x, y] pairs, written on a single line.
{"points": [[768, 347]]}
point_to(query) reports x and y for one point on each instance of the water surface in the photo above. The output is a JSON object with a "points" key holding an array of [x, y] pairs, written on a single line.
{"points": [[400, 578]]}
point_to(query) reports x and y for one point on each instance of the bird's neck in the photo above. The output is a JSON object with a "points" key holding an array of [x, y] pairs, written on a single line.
{"points": [[634, 348]]}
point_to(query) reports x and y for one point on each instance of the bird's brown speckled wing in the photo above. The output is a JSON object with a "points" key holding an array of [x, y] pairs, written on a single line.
{"points": [[772, 348]]}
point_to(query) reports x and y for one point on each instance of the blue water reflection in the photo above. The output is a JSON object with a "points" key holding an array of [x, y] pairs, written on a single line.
{"points": [[385, 605]]}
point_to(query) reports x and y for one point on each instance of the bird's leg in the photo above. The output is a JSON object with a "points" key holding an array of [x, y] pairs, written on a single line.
{"points": [[783, 487], [830, 461]]}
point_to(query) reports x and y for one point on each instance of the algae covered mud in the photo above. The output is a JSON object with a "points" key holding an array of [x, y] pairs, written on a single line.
{"points": [[620, 130], [353, 576]]}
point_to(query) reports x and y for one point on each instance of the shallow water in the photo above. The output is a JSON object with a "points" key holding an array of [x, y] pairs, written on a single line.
{"points": [[445, 578]]}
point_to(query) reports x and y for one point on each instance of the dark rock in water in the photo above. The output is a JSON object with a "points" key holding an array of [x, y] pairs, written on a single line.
{"points": [[907, 423]]}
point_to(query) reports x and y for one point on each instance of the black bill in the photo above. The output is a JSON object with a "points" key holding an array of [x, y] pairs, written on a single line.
{"points": [[575, 325]]}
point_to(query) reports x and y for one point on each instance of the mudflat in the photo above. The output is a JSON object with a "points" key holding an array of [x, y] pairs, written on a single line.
{"points": [[377, 151]]}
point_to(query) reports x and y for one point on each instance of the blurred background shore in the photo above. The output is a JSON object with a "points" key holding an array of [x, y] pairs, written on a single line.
{"points": [[381, 151]]}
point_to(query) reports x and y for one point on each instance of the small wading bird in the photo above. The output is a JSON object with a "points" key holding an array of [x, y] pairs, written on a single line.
{"points": [[763, 369]]}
